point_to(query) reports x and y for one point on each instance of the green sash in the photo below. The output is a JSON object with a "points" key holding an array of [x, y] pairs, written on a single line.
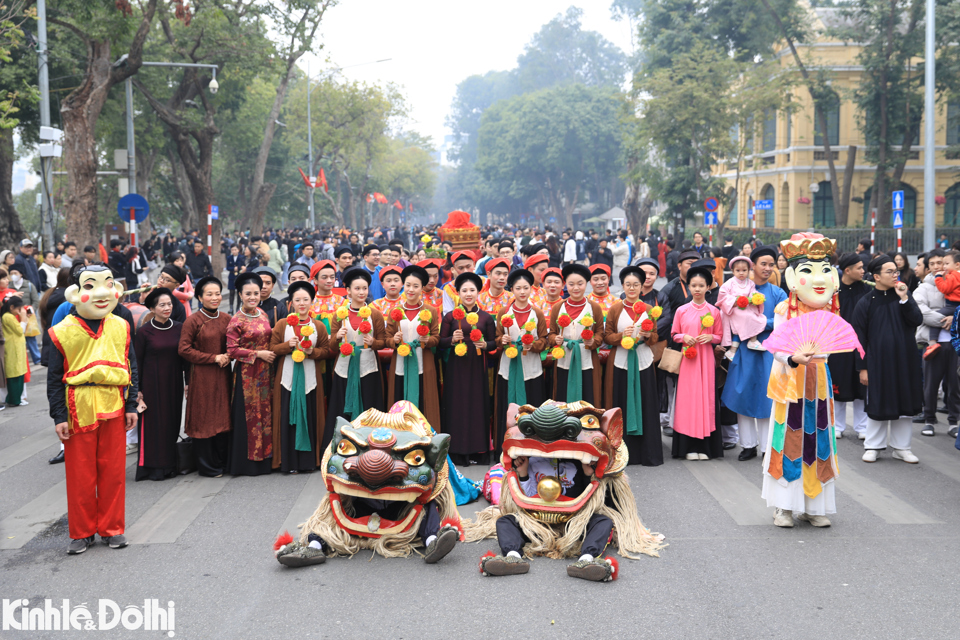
{"points": [[298, 408], [634, 406], [516, 385], [353, 402], [411, 375], [575, 373]]}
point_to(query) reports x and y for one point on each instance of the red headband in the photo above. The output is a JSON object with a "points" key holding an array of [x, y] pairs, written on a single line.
{"points": [[461, 255], [600, 267], [319, 266], [431, 263], [496, 262], [535, 259], [385, 271], [552, 271]]}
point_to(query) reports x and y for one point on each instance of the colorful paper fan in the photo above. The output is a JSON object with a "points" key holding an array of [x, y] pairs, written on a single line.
{"points": [[819, 332]]}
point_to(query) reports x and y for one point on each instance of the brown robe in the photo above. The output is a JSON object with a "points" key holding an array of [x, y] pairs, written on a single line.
{"points": [[554, 330], [202, 339], [379, 334], [283, 349], [430, 402], [612, 338]]}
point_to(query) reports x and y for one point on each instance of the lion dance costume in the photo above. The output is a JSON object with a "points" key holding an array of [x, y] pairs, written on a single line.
{"points": [[387, 490], [559, 510]]}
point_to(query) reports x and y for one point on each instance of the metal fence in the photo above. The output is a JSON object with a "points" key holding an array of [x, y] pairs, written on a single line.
{"points": [[847, 239]]}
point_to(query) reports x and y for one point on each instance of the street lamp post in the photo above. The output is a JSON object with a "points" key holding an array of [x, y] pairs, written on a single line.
{"points": [[929, 115]]}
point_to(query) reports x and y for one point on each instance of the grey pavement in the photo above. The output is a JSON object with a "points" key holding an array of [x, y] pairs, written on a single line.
{"points": [[887, 568]]}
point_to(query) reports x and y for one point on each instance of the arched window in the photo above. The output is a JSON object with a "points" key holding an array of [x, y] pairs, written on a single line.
{"points": [[823, 215], [770, 215], [909, 207], [832, 112], [951, 210], [732, 216]]}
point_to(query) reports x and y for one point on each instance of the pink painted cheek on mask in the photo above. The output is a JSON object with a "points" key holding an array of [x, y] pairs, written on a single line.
{"points": [[85, 298], [803, 281]]}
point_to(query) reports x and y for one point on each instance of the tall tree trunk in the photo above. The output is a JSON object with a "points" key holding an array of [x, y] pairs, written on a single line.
{"points": [[11, 229], [79, 113], [189, 218], [262, 192], [844, 219]]}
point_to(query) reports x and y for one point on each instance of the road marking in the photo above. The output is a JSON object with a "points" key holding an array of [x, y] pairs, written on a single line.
{"points": [[26, 448], [307, 502], [937, 460], [25, 523], [879, 499], [176, 510], [738, 497]]}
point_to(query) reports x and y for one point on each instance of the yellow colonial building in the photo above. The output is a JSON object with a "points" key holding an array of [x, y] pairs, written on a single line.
{"points": [[789, 164]]}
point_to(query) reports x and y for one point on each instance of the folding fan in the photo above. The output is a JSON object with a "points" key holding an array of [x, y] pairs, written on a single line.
{"points": [[819, 332]]}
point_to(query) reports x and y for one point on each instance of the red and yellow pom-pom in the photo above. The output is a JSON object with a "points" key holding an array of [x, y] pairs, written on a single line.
{"points": [[689, 353], [346, 349], [527, 339], [306, 343], [403, 350], [758, 299], [425, 316], [614, 567], [531, 325], [707, 321], [742, 302], [455, 523], [639, 307], [587, 321], [458, 314], [506, 321], [460, 349], [307, 330], [488, 554], [647, 325], [476, 335], [293, 319], [423, 330], [365, 327], [364, 312], [628, 343], [342, 313], [656, 312], [298, 356], [564, 320], [557, 353], [473, 318], [586, 335], [511, 352], [396, 315]]}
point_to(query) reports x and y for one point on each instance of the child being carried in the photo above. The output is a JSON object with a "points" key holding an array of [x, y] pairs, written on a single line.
{"points": [[742, 308]]}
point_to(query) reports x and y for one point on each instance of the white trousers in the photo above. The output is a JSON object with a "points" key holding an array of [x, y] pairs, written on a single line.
{"points": [[859, 416], [900, 432], [753, 432], [133, 436], [730, 433]]}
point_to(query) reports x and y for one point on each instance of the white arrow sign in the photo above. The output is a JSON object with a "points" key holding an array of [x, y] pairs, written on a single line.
{"points": [[898, 199]]}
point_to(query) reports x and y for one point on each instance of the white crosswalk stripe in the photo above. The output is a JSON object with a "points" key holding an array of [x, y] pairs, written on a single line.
{"points": [[169, 517]]}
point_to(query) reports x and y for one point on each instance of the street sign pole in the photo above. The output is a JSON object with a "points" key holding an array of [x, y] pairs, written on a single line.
{"points": [[133, 227], [873, 229], [210, 231], [899, 240]]}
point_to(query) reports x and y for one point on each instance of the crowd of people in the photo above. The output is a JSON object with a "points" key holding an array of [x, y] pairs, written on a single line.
{"points": [[394, 314]]}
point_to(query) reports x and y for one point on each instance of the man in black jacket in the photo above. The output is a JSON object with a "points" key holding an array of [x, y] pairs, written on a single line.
{"points": [[198, 262]]}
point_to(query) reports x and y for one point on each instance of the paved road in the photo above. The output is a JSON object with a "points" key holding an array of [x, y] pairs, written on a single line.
{"points": [[886, 569]]}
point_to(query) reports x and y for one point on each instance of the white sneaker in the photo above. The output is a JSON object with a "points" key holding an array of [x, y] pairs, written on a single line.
{"points": [[692, 456], [783, 518], [702, 456], [906, 455], [870, 455], [817, 521], [861, 435], [132, 448], [838, 434]]}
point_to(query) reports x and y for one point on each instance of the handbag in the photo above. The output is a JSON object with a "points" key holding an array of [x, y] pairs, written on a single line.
{"points": [[186, 457], [658, 350], [670, 361], [33, 328]]}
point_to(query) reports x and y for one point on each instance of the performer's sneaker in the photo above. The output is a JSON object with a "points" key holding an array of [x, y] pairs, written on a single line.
{"points": [[596, 570], [296, 554], [79, 546], [783, 518], [491, 565], [906, 455], [443, 544], [817, 521], [870, 455], [115, 542]]}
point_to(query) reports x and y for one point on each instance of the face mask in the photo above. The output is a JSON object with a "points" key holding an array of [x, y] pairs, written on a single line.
{"points": [[16, 280]]}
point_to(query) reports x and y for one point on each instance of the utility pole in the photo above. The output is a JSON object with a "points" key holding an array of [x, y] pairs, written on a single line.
{"points": [[46, 215], [131, 156], [313, 220], [929, 119]]}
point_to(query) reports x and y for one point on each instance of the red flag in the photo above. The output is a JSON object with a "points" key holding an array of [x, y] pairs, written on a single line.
{"points": [[397, 205], [369, 197], [379, 197], [322, 180], [305, 178], [411, 207]]}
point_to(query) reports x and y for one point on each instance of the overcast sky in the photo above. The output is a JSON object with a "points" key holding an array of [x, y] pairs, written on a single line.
{"points": [[434, 44]]}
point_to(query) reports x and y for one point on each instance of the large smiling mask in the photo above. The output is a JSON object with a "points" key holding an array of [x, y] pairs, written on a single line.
{"points": [[96, 294], [810, 277]]}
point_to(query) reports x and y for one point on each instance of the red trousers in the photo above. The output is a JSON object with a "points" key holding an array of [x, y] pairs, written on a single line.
{"points": [[96, 471]]}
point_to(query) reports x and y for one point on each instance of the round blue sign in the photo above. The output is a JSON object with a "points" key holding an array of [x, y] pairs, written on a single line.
{"points": [[711, 204], [136, 202]]}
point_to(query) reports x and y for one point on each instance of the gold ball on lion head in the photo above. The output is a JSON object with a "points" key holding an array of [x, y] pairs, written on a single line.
{"points": [[549, 489]]}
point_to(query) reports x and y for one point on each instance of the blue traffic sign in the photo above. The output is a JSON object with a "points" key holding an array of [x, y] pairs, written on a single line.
{"points": [[763, 205], [898, 218], [711, 204], [553, 220], [710, 217], [214, 212], [750, 213], [898, 200], [136, 202]]}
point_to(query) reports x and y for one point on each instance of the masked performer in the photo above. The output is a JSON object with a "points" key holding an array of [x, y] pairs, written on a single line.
{"points": [[564, 494], [92, 389], [387, 490], [800, 466]]}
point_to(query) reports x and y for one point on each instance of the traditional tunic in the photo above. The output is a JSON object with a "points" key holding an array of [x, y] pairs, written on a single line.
{"points": [[385, 306], [605, 302], [465, 406], [886, 329], [207, 421], [162, 379], [493, 304], [744, 323], [695, 417], [843, 366], [529, 365], [589, 360], [251, 442], [538, 298], [429, 388], [296, 438], [433, 298], [800, 465], [546, 306], [367, 380], [642, 435], [324, 307]]}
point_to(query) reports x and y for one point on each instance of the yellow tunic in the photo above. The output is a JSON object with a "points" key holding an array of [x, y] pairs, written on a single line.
{"points": [[15, 349], [96, 369]]}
